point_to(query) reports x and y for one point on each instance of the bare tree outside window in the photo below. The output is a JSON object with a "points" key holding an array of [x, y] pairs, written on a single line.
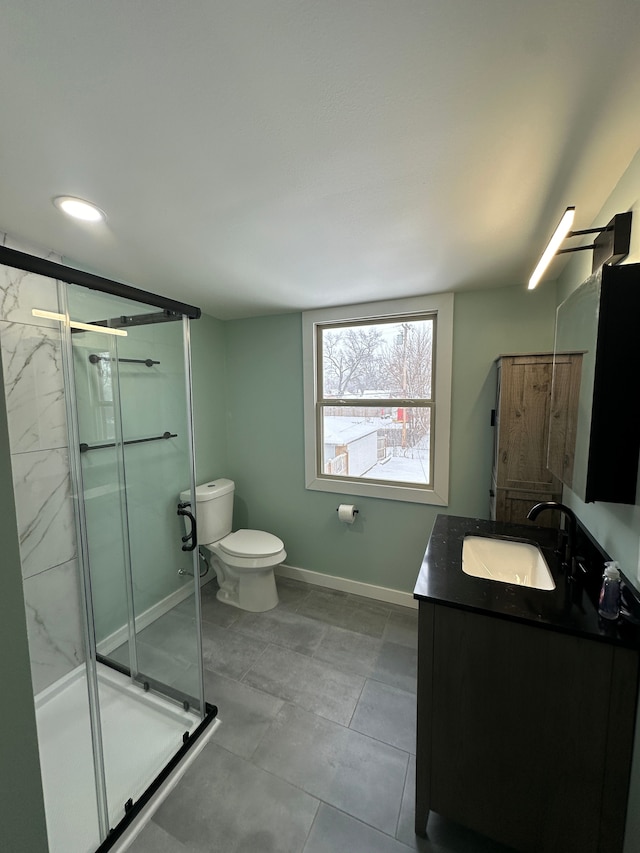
{"points": [[376, 402]]}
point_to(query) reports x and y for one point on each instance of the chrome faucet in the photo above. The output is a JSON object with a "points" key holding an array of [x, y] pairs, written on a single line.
{"points": [[567, 542]]}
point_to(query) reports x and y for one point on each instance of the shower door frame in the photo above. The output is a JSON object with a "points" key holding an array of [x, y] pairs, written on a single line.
{"points": [[174, 311]]}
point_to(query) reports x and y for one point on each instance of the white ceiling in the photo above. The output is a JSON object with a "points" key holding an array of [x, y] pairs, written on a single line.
{"points": [[260, 156]]}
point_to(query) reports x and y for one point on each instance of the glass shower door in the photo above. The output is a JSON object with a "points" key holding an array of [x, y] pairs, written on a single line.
{"points": [[133, 407]]}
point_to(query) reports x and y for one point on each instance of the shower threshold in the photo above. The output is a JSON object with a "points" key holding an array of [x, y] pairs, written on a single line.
{"points": [[141, 734]]}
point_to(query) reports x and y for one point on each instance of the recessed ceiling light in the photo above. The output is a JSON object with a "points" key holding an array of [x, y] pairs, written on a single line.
{"points": [[79, 209]]}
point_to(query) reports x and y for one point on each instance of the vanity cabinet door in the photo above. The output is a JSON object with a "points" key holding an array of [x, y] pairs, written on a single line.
{"points": [[524, 734]]}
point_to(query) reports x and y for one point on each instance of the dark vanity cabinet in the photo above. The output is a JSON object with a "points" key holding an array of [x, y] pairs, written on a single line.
{"points": [[526, 700], [600, 319], [525, 735]]}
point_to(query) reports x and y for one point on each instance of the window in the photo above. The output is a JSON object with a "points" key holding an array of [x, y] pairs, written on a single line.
{"points": [[377, 399]]}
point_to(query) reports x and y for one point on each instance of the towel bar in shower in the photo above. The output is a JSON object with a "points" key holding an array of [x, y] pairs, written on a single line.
{"points": [[84, 448], [94, 359]]}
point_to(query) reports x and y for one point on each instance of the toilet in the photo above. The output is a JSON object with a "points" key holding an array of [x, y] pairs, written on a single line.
{"points": [[243, 561]]}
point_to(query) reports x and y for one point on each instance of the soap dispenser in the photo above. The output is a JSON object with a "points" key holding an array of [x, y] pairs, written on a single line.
{"points": [[609, 602]]}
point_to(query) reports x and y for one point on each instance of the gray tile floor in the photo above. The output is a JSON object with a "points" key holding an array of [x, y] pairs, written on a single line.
{"points": [[315, 752]]}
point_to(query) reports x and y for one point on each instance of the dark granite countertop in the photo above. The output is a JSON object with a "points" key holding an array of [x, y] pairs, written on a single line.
{"points": [[441, 580]]}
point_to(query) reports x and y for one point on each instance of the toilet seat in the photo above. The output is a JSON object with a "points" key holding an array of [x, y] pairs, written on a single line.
{"points": [[251, 544]]}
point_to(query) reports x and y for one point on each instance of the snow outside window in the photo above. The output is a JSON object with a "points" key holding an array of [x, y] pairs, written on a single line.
{"points": [[378, 397]]}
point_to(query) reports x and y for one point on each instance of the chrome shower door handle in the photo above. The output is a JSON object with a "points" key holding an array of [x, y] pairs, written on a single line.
{"points": [[192, 536]]}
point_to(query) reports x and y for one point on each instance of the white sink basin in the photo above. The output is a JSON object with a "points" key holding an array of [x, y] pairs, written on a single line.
{"points": [[506, 560]]}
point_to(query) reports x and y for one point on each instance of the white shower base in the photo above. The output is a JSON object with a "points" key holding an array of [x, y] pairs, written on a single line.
{"points": [[140, 733]]}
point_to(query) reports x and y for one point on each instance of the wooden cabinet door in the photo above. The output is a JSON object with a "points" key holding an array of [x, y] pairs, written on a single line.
{"points": [[523, 432], [564, 415], [513, 505]]}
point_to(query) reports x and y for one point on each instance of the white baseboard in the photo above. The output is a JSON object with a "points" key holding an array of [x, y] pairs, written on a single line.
{"points": [[368, 590]]}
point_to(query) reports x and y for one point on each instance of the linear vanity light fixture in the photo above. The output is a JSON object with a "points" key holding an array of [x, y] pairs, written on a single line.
{"points": [[86, 327], [609, 247]]}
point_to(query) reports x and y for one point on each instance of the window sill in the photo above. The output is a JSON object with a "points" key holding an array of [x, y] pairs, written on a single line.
{"points": [[389, 491]]}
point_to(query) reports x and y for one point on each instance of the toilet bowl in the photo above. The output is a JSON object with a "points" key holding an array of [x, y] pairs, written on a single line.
{"points": [[243, 561]]}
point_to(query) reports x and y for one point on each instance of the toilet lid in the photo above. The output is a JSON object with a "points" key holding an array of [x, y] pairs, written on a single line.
{"points": [[251, 543]]}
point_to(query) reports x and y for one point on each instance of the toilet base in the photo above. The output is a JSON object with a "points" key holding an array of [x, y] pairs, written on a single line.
{"points": [[252, 591]]}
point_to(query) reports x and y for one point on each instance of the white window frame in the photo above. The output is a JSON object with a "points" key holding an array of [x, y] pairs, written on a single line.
{"points": [[442, 305]]}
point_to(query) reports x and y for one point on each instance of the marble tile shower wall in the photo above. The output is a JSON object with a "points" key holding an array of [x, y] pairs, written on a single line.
{"points": [[34, 390]]}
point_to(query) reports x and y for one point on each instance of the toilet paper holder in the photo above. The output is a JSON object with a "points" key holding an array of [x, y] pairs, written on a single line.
{"points": [[347, 513], [355, 512]]}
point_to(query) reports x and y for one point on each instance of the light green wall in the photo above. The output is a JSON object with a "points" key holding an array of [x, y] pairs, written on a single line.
{"points": [[209, 398], [615, 526], [22, 821], [266, 459]]}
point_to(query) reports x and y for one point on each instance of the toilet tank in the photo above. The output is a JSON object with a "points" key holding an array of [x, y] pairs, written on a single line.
{"points": [[214, 509]]}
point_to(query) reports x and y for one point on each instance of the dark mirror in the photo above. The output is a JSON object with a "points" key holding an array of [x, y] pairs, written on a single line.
{"points": [[595, 441]]}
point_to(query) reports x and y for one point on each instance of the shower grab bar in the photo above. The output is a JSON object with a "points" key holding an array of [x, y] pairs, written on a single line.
{"points": [[84, 448], [94, 359]]}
